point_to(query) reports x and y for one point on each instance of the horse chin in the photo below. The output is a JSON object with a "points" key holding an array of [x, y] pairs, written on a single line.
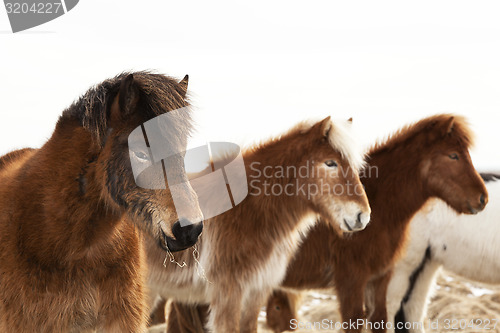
{"points": [[346, 235], [341, 232], [340, 229], [349, 227], [466, 208], [473, 210]]}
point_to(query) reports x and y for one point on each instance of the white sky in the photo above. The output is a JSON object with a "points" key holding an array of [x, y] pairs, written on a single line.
{"points": [[257, 68]]}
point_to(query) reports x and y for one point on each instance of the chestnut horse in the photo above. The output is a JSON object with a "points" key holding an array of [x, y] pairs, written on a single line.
{"points": [[310, 171], [427, 159], [71, 257]]}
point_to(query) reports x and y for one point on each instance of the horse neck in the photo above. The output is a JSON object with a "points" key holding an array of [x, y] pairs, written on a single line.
{"points": [[395, 188], [70, 222], [274, 212]]}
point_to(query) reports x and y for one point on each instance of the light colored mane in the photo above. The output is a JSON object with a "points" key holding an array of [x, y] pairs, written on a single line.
{"points": [[340, 136]]}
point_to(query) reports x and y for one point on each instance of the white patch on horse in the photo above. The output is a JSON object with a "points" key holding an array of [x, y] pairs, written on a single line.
{"points": [[467, 245], [272, 272]]}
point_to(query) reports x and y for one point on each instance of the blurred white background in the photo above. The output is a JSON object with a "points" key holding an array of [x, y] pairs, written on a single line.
{"points": [[257, 68]]}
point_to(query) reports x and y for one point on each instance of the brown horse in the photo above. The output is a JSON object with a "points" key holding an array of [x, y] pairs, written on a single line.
{"points": [[71, 257], [424, 160], [310, 171]]}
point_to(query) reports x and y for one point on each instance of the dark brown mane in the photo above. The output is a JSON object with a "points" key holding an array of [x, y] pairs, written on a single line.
{"points": [[431, 128], [157, 94], [487, 176]]}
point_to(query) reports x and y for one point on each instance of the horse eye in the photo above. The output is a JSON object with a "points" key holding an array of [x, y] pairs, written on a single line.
{"points": [[277, 307], [331, 163], [141, 156], [453, 156]]}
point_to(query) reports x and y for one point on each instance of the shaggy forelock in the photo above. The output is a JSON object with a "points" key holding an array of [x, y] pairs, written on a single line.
{"points": [[342, 139], [158, 93]]}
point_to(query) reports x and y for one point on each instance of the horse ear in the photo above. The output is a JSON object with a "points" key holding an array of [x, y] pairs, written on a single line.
{"points": [[449, 125], [325, 126], [184, 85], [128, 95]]}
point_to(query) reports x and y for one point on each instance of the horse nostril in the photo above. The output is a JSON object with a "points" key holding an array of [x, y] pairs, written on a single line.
{"points": [[184, 236], [482, 199], [196, 230], [359, 217], [185, 230]]}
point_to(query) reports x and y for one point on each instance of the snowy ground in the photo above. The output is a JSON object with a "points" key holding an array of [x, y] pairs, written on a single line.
{"points": [[454, 298]]}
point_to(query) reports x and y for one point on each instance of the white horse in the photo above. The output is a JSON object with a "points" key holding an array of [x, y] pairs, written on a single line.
{"points": [[467, 245]]}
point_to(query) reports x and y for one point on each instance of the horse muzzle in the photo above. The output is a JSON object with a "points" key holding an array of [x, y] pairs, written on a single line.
{"points": [[357, 224], [185, 237], [478, 206]]}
